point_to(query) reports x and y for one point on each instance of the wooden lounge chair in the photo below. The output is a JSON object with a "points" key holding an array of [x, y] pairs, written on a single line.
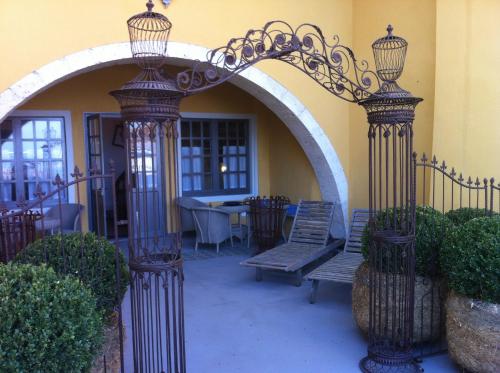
{"points": [[307, 242], [341, 267]]}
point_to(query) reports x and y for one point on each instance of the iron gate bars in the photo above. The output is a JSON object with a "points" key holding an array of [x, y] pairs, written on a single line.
{"points": [[150, 106], [392, 214]]}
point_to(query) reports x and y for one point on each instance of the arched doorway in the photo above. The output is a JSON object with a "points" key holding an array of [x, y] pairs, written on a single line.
{"points": [[308, 132]]}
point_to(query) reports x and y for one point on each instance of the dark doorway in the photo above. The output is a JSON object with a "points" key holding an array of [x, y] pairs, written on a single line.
{"points": [[105, 141]]}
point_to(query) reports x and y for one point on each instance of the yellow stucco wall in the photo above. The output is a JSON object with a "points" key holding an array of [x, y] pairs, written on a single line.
{"points": [[415, 21], [467, 111], [452, 63]]}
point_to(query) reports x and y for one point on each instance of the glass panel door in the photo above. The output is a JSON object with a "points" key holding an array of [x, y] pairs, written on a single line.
{"points": [[95, 161]]}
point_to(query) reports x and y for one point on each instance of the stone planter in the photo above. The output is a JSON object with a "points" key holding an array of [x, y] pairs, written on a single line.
{"points": [[473, 333], [429, 295]]}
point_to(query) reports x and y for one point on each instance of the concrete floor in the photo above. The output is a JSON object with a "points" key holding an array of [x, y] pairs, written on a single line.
{"points": [[235, 324]]}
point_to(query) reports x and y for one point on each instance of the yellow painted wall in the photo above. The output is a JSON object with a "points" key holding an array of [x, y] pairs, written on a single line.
{"points": [[467, 110], [89, 93], [452, 63], [58, 28]]}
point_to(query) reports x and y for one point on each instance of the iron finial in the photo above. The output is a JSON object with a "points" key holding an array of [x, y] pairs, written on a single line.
{"points": [[150, 5], [389, 30]]}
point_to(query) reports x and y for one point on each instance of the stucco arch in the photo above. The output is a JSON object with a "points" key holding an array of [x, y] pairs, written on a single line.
{"points": [[307, 131]]}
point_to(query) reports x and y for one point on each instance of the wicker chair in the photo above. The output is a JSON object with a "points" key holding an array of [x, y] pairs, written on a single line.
{"points": [[213, 226], [68, 219], [186, 204]]}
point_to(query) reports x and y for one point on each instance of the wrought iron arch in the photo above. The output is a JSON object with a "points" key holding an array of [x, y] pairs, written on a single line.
{"points": [[150, 106]]}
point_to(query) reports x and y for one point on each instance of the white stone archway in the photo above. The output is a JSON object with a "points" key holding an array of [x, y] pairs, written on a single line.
{"points": [[307, 131]]}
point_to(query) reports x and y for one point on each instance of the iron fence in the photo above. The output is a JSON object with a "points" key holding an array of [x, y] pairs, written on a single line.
{"points": [[50, 213], [443, 189]]}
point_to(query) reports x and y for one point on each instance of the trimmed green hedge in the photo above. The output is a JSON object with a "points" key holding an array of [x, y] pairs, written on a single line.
{"points": [[464, 214], [470, 258], [49, 323], [86, 256], [430, 230]]}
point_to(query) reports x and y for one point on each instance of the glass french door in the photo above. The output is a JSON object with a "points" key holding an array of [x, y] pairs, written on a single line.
{"points": [[95, 163]]}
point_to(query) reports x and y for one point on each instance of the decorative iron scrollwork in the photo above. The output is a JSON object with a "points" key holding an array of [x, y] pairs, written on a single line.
{"points": [[333, 66]]}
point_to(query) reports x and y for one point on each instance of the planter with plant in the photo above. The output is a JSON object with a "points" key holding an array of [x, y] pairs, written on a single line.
{"points": [[431, 227], [470, 258], [50, 323], [86, 256], [463, 214]]}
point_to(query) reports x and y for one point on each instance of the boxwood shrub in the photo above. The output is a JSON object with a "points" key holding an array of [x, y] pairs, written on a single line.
{"points": [[430, 230], [85, 255], [49, 323], [464, 214], [470, 258]]}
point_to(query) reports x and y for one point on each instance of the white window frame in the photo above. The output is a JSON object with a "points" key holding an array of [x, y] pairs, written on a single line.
{"points": [[68, 138], [254, 159]]}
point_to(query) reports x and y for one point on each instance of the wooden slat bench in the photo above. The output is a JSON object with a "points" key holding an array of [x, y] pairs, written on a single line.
{"points": [[307, 242], [341, 268]]}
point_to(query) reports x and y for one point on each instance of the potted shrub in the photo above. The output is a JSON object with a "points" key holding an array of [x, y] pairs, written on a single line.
{"points": [[431, 227], [470, 258], [50, 323], [86, 256], [464, 214]]}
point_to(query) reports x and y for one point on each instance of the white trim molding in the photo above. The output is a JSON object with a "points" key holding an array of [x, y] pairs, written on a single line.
{"points": [[308, 132]]}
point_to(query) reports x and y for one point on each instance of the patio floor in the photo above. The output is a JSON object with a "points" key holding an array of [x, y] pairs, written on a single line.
{"points": [[235, 324]]}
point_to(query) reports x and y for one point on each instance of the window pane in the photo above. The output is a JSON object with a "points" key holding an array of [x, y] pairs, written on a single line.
{"points": [[42, 150], [233, 181], [56, 150], [196, 147], [186, 184], [8, 150], [222, 129], [29, 190], [185, 129], [28, 150], [55, 129], [197, 166], [8, 191], [243, 180], [232, 163], [206, 129], [196, 129], [30, 171], [8, 171], [27, 129], [232, 130], [185, 147], [56, 168], [43, 169], [206, 147], [243, 164], [41, 129], [186, 165], [197, 182]]}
